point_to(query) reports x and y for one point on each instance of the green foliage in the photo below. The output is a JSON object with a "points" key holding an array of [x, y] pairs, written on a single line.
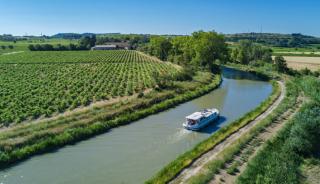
{"points": [[23, 44], [249, 53], [173, 168], [229, 154], [233, 169], [201, 49], [280, 160], [209, 48], [160, 47], [280, 64], [273, 39], [35, 138], [85, 43], [311, 87], [56, 81]]}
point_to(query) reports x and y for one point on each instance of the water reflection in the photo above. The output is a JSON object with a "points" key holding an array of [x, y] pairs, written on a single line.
{"points": [[213, 127], [231, 73], [133, 153]]}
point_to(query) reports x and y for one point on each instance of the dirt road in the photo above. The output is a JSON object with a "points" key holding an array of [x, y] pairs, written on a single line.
{"points": [[196, 166]]}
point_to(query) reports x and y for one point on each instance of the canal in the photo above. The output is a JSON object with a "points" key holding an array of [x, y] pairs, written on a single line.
{"points": [[134, 153]]}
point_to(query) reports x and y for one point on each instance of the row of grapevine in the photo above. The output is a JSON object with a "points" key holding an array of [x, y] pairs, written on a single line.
{"points": [[74, 57], [43, 89]]}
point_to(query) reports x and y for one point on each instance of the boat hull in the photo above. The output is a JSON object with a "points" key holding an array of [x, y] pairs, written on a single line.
{"points": [[201, 125]]}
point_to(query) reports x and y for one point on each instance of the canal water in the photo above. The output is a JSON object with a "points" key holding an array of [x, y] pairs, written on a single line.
{"points": [[134, 153]]}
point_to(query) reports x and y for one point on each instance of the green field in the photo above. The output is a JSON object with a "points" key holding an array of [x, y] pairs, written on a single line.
{"points": [[53, 82], [310, 50], [23, 45]]}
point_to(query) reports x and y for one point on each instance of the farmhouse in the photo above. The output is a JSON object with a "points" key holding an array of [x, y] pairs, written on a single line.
{"points": [[112, 46], [104, 47]]}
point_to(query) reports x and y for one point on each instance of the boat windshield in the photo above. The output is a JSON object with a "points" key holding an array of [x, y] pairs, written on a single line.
{"points": [[191, 121]]}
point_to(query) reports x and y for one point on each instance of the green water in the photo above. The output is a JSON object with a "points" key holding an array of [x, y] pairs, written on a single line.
{"points": [[133, 153]]}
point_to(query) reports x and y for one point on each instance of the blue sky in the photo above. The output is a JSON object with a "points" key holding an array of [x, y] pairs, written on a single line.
{"points": [[20, 17]]}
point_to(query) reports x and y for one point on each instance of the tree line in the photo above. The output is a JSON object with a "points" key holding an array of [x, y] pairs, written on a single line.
{"points": [[247, 52], [88, 41], [3, 47], [201, 49], [273, 39], [85, 43], [209, 49]]}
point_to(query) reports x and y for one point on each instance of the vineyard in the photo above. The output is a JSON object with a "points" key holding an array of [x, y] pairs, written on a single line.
{"points": [[74, 57], [36, 84]]}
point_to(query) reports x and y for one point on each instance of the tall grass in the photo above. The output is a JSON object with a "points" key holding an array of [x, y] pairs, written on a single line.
{"points": [[209, 170], [183, 161], [48, 140], [281, 158]]}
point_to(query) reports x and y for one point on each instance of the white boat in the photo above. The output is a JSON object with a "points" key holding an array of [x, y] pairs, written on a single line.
{"points": [[198, 120]]}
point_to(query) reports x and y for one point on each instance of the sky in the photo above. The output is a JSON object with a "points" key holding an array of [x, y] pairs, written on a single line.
{"points": [[35, 17]]}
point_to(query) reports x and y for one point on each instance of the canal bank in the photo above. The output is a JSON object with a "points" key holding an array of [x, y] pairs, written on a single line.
{"points": [[133, 153]]}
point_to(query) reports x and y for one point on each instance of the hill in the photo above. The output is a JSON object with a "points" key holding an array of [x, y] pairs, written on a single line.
{"points": [[275, 39]]}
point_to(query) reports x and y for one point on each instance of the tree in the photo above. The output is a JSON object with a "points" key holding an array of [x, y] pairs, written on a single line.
{"points": [[72, 46], [38, 47], [31, 47], [267, 57], [87, 42], [182, 50], [62, 47], [280, 64], [201, 50], [3, 47], [160, 47], [209, 48], [10, 47], [249, 53], [47, 47]]}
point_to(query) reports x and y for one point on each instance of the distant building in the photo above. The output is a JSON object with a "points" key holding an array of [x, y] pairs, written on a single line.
{"points": [[104, 47], [112, 46]]}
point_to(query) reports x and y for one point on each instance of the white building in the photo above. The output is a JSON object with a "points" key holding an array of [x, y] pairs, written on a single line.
{"points": [[105, 47]]}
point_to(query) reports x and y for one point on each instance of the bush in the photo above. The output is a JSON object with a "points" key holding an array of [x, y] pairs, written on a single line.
{"points": [[140, 95], [280, 160]]}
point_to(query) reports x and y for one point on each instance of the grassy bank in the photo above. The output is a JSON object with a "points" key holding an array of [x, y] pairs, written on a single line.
{"points": [[183, 161], [281, 158], [209, 170], [24, 141]]}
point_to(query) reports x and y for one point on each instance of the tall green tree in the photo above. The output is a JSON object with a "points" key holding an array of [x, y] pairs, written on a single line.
{"points": [[209, 48], [182, 50], [249, 53], [280, 64], [160, 47], [87, 42]]}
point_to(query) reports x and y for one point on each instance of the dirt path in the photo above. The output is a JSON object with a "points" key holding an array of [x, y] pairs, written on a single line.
{"points": [[196, 166], [232, 170]]}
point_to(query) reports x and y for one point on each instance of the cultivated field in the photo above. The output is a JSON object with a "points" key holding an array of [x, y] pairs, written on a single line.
{"points": [[296, 62], [35, 84], [23, 44], [300, 62]]}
